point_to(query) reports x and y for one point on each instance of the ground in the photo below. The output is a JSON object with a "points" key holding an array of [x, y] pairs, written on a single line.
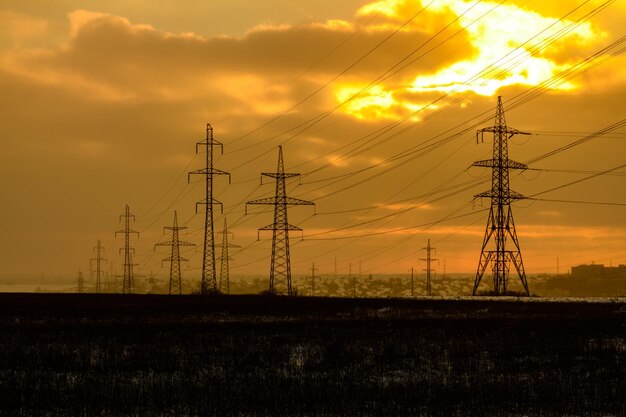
{"points": [[115, 355]]}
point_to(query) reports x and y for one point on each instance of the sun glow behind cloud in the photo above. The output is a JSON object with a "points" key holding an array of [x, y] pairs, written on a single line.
{"points": [[513, 46]]}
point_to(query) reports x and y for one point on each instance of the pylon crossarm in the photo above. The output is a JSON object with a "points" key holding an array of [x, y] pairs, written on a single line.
{"points": [[515, 165], [490, 163], [280, 175], [297, 202], [513, 195], [268, 200], [275, 226], [486, 163]]}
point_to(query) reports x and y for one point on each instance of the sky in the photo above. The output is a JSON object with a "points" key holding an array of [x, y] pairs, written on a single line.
{"points": [[375, 103]]}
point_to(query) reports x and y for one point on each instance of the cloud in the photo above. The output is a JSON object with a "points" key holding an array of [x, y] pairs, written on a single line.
{"points": [[110, 58], [20, 29], [110, 115]]}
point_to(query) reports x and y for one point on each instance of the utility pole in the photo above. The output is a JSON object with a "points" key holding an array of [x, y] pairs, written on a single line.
{"points": [[209, 276], [428, 269], [412, 283], [225, 259], [176, 285], [313, 271], [127, 287], [500, 224], [280, 269], [81, 282], [98, 259]]}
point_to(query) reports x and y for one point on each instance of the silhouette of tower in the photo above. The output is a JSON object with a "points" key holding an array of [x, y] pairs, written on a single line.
{"points": [[280, 270], [500, 224], [98, 260], [175, 258], [225, 259], [313, 271], [209, 276], [428, 269], [81, 282], [127, 287], [412, 282]]}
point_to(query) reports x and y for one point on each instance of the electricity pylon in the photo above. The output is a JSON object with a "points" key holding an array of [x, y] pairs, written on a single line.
{"points": [[280, 269], [175, 258], [500, 224], [98, 259], [209, 276], [127, 287], [81, 282], [313, 271], [428, 269], [225, 259]]}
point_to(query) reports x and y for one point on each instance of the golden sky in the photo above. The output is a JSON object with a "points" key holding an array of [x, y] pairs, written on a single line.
{"points": [[375, 104]]}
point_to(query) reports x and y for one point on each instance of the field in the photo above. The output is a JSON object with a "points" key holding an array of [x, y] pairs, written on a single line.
{"points": [[114, 355]]}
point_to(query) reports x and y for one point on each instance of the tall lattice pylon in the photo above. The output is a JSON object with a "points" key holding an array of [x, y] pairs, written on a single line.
{"points": [[127, 287], [429, 259], [225, 259], [175, 243], [209, 276], [500, 224], [98, 260], [81, 282], [280, 269]]}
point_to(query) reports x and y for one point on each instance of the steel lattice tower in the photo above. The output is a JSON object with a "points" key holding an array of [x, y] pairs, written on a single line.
{"points": [[225, 259], [209, 276], [280, 269], [128, 259], [81, 282], [175, 258], [98, 259], [500, 224], [428, 269], [313, 271]]}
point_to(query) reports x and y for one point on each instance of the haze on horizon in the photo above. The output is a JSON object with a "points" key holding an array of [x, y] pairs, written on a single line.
{"points": [[373, 102]]}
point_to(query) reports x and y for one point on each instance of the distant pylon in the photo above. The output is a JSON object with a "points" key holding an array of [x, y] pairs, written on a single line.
{"points": [[313, 271], [175, 258], [127, 287], [81, 282], [209, 275], [500, 224], [98, 272], [428, 269], [225, 259], [280, 270]]}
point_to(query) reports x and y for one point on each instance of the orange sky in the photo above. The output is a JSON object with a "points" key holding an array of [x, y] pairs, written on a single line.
{"points": [[102, 103]]}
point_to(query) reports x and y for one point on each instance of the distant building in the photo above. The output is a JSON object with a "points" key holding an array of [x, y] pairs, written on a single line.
{"points": [[598, 271]]}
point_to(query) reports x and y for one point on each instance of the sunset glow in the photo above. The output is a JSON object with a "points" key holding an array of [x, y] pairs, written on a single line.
{"points": [[375, 103], [511, 46]]}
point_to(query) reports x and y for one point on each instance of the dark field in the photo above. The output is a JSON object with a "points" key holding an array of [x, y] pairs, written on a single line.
{"points": [[113, 355]]}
